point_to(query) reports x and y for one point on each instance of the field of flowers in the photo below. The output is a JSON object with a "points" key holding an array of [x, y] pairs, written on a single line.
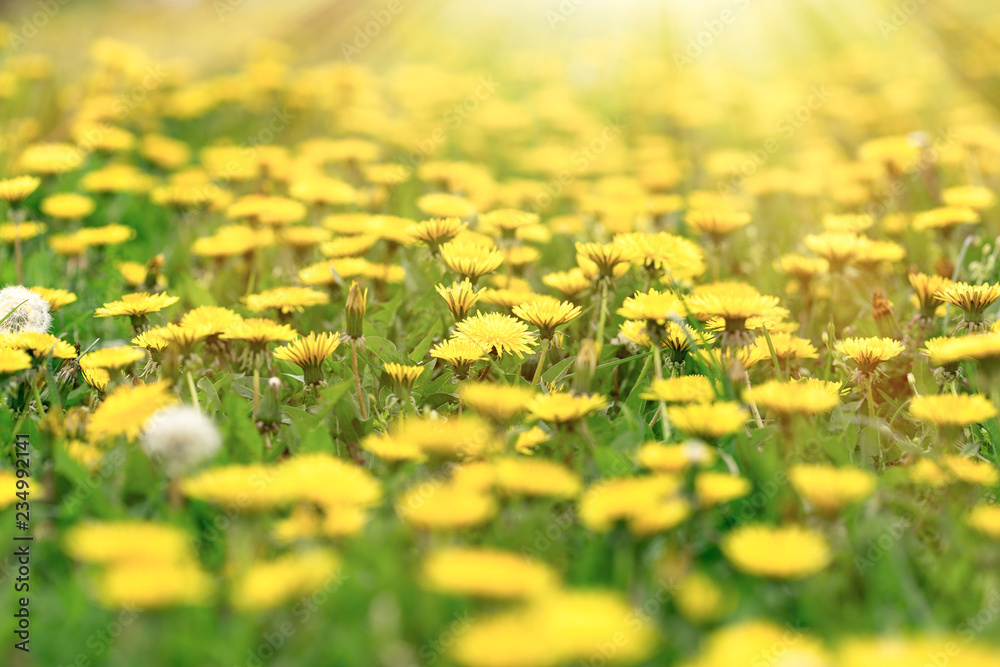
{"points": [[548, 334]]}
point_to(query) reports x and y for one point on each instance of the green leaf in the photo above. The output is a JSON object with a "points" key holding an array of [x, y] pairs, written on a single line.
{"points": [[420, 350], [244, 443], [211, 403]]}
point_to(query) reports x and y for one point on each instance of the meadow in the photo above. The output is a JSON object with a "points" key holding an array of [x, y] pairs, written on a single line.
{"points": [[526, 336]]}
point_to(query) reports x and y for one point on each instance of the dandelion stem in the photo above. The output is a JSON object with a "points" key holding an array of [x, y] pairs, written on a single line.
{"points": [[604, 314], [256, 389], [541, 361], [662, 407], [38, 397], [18, 268], [753, 405], [194, 392], [357, 380]]}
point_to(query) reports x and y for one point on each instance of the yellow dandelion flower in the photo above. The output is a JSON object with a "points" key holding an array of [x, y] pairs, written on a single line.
{"points": [[850, 223], [486, 573], [605, 261], [441, 205], [259, 332], [402, 375], [286, 299], [528, 440], [926, 288], [116, 542], [17, 189], [671, 258], [944, 218], [829, 488], [10, 232], [972, 299], [868, 353], [445, 507], [561, 627], [98, 378], [348, 246], [653, 306], [155, 585], [39, 344], [126, 409], [535, 477], [68, 206], [270, 584], [111, 358], [461, 353], [500, 403], [436, 231], [970, 470], [837, 248], [952, 409], [470, 260], [267, 209], [624, 499], [714, 488], [777, 552], [808, 396], [151, 340], [570, 283], [547, 315], [950, 351], [745, 642], [708, 420], [802, 268], [56, 298], [985, 519], [309, 353], [497, 333], [969, 196], [700, 600], [563, 408], [213, 320], [676, 458], [460, 298], [13, 361], [136, 305], [717, 224], [50, 158], [788, 347]]}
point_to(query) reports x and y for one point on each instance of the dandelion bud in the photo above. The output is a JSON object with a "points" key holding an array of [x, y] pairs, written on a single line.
{"points": [[354, 311], [403, 376], [180, 437], [884, 316], [22, 310], [153, 268], [268, 417], [585, 368]]}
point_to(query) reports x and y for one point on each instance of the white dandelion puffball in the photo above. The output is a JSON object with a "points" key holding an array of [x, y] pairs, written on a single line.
{"points": [[30, 311], [179, 438]]}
